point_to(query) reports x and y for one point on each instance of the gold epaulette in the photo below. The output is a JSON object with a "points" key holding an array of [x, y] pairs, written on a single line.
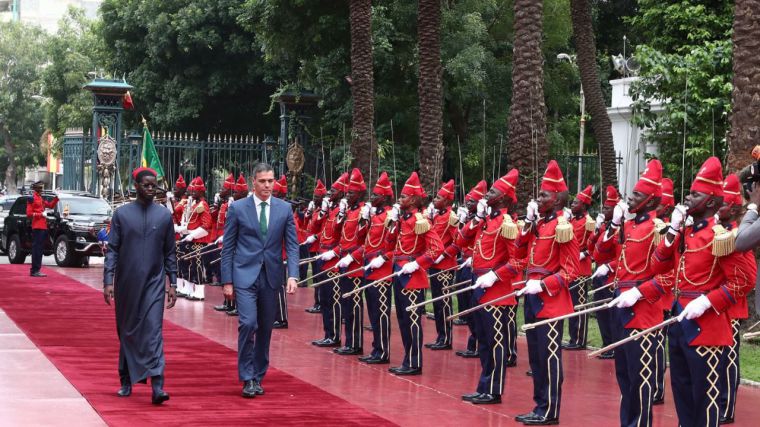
{"points": [[508, 228], [421, 224], [724, 241], [520, 224], [659, 225], [453, 220], [200, 208], [183, 202], [564, 230], [590, 223]]}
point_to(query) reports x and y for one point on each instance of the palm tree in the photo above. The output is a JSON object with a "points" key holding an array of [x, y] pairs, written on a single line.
{"points": [[363, 142], [430, 93], [527, 149], [745, 113], [585, 44]]}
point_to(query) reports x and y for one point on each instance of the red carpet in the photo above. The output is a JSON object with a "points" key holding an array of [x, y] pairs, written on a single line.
{"points": [[74, 328]]}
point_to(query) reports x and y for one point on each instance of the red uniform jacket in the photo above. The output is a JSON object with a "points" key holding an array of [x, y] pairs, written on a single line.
{"points": [[700, 272], [549, 259], [327, 229], [413, 239], [494, 242], [583, 228], [201, 218], [603, 258], [374, 245], [445, 226], [221, 219], [740, 309], [352, 236], [634, 268], [35, 209]]}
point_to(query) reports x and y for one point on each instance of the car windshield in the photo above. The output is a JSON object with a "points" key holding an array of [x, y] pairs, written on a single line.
{"points": [[85, 206]]}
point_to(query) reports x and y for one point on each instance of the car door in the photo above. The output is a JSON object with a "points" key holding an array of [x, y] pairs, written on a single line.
{"points": [[22, 224]]}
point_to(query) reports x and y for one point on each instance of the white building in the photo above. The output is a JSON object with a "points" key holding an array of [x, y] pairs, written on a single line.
{"points": [[45, 13]]}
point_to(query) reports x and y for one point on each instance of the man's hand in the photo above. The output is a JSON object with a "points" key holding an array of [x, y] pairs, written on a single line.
{"points": [[487, 280], [228, 291], [410, 267], [531, 211], [345, 261], [439, 259], [532, 287], [626, 299], [619, 213], [188, 238], [462, 213], [108, 293], [311, 239], [292, 285], [677, 217], [431, 211], [482, 208], [394, 213], [365, 212], [327, 256], [467, 263], [376, 263], [325, 205], [602, 270], [219, 240], [695, 308], [171, 297]]}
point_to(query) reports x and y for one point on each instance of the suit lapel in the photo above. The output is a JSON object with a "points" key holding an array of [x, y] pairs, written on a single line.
{"points": [[253, 215], [273, 212]]}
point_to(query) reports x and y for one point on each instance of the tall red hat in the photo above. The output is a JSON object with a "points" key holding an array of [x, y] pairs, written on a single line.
{"points": [[585, 195], [191, 187], [732, 190], [611, 196], [447, 190], [341, 184], [477, 192], [180, 182], [413, 187], [199, 185], [553, 180], [650, 181], [281, 185], [241, 184], [319, 189], [709, 180], [356, 181], [383, 186], [667, 193], [229, 183], [507, 183]]}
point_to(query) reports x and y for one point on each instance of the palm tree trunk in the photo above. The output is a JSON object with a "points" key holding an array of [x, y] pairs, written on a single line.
{"points": [[10, 172], [585, 44], [363, 142], [430, 93], [745, 112], [527, 149]]}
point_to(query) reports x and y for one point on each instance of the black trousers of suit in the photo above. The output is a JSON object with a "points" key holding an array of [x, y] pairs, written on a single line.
{"points": [[444, 308], [577, 327], [379, 310], [256, 306], [38, 245], [635, 372], [465, 301], [545, 357], [353, 312], [603, 317]]}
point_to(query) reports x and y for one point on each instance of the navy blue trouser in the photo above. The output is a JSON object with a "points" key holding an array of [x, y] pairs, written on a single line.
{"points": [[545, 357], [660, 363], [256, 306], [282, 302], [577, 327], [635, 372], [442, 309], [329, 297], [729, 381], [465, 301], [494, 334], [603, 317], [409, 322], [353, 312], [38, 245], [379, 310]]}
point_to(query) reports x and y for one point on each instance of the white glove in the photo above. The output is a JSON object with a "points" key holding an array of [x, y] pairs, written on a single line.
{"points": [[677, 217], [219, 240], [601, 271], [531, 211], [532, 287], [393, 214], [599, 220], [487, 280], [217, 199], [198, 233], [170, 195], [327, 256], [467, 262], [187, 238], [342, 206], [626, 299], [440, 258], [325, 205], [618, 213], [583, 256], [345, 261], [180, 229], [364, 213], [410, 267], [695, 308], [311, 239], [568, 213], [376, 262], [462, 214], [310, 207], [431, 211], [482, 209]]}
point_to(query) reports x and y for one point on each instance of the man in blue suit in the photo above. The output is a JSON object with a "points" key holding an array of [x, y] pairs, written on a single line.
{"points": [[252, 269]]}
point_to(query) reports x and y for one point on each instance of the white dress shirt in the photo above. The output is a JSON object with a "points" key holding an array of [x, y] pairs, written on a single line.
{"points": [[258, 202]]}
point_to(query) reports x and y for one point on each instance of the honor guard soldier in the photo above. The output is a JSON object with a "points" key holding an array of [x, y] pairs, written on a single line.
{"points": [[179, 203], [184, 286], [583, 228], [709, 278], [352, 236], [465, 214], [197, 236], [326, 230], [415, 248], [632, 242], [280, 190], [604, 275], [445, 225], [371, 255], [35, 211], [312, 247], [241, 192], [493, 233], [225, 196], [728, 215], [553, 256]]}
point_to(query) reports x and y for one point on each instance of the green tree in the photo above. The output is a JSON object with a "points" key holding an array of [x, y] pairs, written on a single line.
{"points": [[22, 56]]}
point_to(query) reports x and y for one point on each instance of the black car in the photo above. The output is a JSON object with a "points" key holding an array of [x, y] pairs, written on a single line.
{"points": [[6, 202], [73, 227]]}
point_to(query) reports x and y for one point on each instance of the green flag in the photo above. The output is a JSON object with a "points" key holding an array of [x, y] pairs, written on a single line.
{"points": [[149, 155]]}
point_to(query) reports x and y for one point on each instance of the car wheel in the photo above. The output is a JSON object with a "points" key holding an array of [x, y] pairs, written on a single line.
{"points": [[63, 252], [15, 254]]}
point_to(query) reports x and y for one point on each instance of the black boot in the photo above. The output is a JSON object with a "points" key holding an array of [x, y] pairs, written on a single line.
{"points": [[126, 387], [159, 395]]}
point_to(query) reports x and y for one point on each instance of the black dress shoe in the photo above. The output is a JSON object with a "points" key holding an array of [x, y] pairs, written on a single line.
{"points": [[159, 397], [658, 401], [348, 351], [280, 325], [366, 358], [440, 346], [529, 373], [248, 390], [257, 388], [223, 307], [486, 399], [523, 417], [511, 364], [431, 344], [469, 396], [540, 421], [233, 312], [326, 342], [606, 355], [726, 420], [403, 370], [315, 309], [460, 322], [573, 347], [124, 391], [377, 361], [37, 274], [467, 354]]}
